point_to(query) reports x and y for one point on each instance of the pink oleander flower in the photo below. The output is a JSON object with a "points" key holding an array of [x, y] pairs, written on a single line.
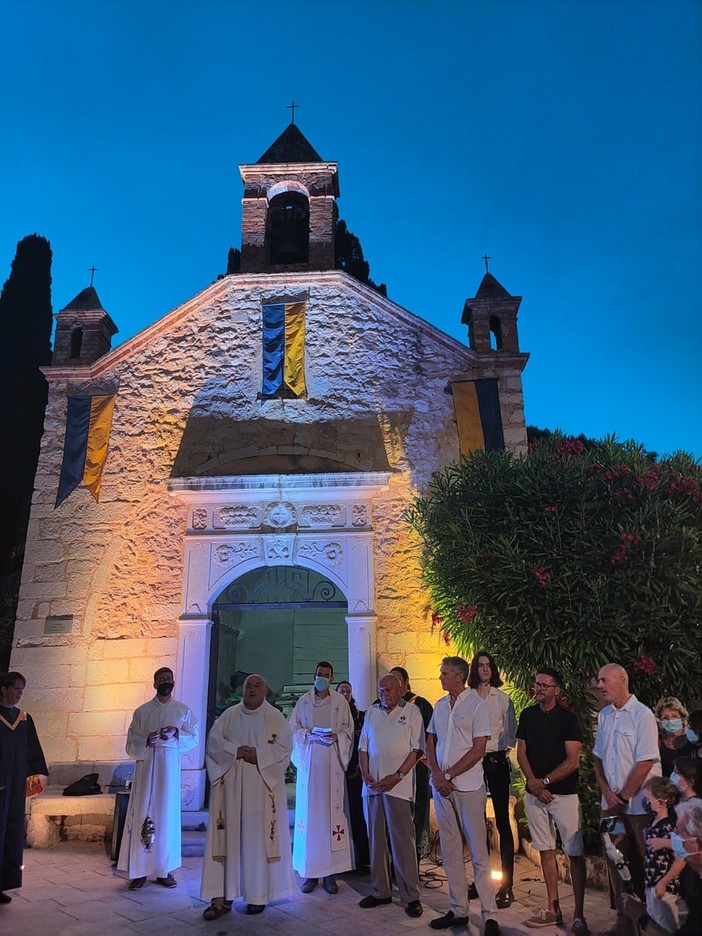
{"points": [[542, 576], [646, 665], [436, 619], [569, 447], [466, 613], [549, 509]]}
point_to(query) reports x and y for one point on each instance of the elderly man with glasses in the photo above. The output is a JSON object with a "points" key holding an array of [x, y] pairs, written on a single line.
{"points": [[549, 740]]}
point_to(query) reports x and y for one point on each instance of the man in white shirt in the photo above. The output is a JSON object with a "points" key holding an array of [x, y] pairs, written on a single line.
{"points": [[625, 755], [391, 743], [458, 734]]}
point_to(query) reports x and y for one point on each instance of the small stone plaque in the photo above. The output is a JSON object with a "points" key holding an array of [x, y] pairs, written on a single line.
{"points": [[58, 624]]}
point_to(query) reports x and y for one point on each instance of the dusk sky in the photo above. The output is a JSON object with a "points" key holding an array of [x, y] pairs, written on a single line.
{"points": [[561, 137]]}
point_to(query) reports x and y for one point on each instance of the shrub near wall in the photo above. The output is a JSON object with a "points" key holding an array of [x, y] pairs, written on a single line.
{"points": [[571, 557]]}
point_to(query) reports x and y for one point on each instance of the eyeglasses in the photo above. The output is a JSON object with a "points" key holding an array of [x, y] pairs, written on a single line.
{"points": [[543, 685]]}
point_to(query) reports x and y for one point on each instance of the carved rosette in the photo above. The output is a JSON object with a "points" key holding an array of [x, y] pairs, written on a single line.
{"points": [[328, 554], [235, 553], [359, 515], [280, 515], [322, 515], [200, 515], [236, 517]]}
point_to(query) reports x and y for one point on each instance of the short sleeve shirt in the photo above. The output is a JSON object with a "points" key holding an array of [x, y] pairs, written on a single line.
{"points": [[387, 738], [625, 736], [545, 735], [455, 728]]}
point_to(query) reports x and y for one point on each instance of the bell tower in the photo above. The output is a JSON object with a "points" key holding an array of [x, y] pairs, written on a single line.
{"points": [[84, 331], [288, 208], [491, 318]]}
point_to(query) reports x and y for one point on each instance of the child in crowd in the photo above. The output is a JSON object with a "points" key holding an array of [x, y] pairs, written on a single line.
{"points": [[661, 867]]}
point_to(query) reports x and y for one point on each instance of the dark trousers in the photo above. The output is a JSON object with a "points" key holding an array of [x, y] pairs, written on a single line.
{"points": [[496, 773], [421, 808]]}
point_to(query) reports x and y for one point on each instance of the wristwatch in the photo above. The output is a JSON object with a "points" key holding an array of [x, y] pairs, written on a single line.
{"points": [[448, 776], [545, 781], [400, 774]]}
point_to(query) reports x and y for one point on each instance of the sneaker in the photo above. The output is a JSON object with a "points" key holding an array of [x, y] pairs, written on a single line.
{"points": [[491, 928], [544, 918], [579, 927], [414, 908], [136, 883], [309, 885], [504, 897]]}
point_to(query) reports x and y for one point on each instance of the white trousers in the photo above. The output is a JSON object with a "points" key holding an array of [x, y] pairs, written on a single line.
{"points": [[462, 816]]}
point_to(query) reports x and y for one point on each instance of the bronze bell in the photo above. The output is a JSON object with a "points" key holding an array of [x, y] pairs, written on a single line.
{"points": [[148, 833]]}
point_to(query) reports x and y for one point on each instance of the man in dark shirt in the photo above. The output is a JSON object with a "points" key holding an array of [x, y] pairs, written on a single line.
{"points": [[421, 773], [549, 740]]}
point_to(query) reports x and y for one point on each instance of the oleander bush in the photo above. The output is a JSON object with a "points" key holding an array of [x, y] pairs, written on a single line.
{"points": [[580, 553]]}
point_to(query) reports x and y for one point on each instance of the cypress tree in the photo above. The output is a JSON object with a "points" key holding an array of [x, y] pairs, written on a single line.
{"points": [[25, 324]]}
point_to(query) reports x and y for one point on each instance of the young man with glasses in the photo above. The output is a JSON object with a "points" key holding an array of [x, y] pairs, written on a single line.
{"points": [[549, 740]]}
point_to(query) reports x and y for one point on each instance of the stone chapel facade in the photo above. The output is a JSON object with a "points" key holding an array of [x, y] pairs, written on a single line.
{"points": [[207, 480]]}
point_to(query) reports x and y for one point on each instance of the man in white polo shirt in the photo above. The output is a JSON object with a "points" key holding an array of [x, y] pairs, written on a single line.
{"points": [[391, 743], [458, 734], [625, 755]]}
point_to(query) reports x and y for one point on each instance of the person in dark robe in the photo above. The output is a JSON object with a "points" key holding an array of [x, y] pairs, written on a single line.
{"points": [[21, 756], [354, 782], [422, 792]]}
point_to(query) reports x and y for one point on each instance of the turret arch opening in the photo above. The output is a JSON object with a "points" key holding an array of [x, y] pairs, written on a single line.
{"points": [[288, 228]]}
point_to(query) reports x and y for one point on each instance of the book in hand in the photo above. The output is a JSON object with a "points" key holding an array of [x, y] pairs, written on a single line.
{"points": [[323, 735]]}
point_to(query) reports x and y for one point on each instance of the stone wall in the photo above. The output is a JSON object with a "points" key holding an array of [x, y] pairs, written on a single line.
{"points": [[188, 404]]}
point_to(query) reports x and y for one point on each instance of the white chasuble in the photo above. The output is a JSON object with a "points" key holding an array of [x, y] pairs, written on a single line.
{"points": [[247, 853], [322, 842]]}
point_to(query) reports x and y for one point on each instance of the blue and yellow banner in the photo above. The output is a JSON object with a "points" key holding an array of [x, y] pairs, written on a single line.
{"points": [[88, 424], [478, 417], [284, 348]]}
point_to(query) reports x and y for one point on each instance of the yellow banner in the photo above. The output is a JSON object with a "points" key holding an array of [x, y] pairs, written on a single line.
{"points": [[294, 369], [101, 410]]}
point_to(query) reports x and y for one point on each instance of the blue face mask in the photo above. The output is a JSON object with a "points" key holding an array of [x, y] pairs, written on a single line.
{"points": [[692, 736], [676, 843], [672, 725], [675, 778], [321, 683]]}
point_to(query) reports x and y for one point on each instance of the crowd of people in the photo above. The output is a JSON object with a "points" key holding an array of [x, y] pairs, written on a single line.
{"points": [[364, 781]]}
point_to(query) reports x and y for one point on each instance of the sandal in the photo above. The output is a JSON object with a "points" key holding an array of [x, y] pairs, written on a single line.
{"points": [[215, 911]]}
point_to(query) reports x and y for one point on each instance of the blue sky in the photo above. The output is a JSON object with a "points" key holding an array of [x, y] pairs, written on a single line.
{"points": [[562, 137]]}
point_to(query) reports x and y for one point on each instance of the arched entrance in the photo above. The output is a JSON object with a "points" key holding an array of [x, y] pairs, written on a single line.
{"points": [[237, 524], [278, 621]]}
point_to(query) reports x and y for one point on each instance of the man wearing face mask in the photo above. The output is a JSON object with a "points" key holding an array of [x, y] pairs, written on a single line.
{"points": [[323, 735], [161, 730]]}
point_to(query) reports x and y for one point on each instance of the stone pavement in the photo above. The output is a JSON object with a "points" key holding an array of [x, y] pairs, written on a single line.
{"points": [[71, 890]]}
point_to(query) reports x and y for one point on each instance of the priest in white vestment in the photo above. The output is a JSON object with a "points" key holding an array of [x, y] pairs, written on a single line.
{"points": [[161, 731], [323, 741], [247, 853]]}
